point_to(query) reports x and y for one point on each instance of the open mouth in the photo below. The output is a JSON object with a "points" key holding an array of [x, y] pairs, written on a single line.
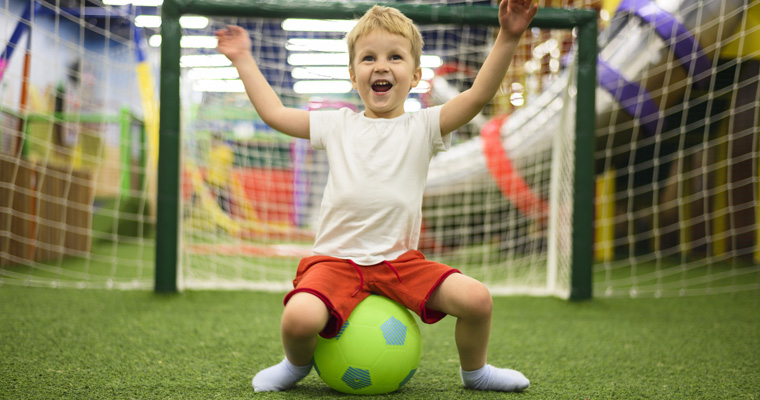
{"points": [[381, 86]]}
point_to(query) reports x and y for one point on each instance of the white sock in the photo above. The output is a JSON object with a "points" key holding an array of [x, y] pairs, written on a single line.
{"points": [[282, 376], [492, 378]]}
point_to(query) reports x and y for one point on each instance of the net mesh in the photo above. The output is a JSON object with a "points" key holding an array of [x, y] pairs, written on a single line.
{"points": [[677, 192], [677, 189]]}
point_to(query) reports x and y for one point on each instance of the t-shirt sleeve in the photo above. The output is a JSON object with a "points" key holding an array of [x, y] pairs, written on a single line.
{"points": [[440, 142], [323, 124]]}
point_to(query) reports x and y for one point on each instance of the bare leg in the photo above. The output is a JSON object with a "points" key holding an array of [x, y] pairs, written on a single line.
{"points": [[304, 317], [470, 301]]}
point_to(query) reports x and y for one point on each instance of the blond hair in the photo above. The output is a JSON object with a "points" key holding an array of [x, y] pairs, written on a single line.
{"points": [[393, 21]]}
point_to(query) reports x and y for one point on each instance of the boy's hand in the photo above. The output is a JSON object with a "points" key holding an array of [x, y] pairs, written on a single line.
{"points": [[515, 15], [233, 42]]}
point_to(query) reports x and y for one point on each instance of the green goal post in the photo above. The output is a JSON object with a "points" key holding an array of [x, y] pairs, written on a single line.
{"points": [[168, 201]]}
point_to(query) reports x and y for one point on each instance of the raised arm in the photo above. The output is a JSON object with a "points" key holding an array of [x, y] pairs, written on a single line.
{"points": [[236, 45], [514, 17]]}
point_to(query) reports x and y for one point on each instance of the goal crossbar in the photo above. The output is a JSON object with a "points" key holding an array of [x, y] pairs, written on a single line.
{"points": [[168, 222]]}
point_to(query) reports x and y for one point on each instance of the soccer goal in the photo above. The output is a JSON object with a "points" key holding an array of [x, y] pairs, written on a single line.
{"points": [[510, 204]]}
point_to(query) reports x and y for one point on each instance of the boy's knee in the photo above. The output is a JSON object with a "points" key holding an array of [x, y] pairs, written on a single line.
{"points": [[480, 300], [300, 324], [303, 319]]}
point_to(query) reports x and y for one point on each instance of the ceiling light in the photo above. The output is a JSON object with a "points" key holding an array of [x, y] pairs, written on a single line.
{"points": [[219, 85], [211, 60], [142, 3], [193, 22], [317, 25], [187, 22], [430, 61], [318, 59], [188, 42], [320, 73], [212, 73], [147, 21], [329, 45]]}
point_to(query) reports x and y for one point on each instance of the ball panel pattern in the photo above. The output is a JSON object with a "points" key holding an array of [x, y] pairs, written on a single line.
{"points": [[356, 378], [394, 332]]}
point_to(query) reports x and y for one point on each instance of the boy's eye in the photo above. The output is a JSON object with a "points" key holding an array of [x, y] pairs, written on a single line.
{"points": [[367, 58], [396, 57]]}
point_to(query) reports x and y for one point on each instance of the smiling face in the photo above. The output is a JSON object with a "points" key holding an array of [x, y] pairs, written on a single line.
{"points": [[383, 72]]}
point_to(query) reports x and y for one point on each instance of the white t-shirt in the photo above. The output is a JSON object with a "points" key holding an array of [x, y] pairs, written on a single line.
{"points": [[372, 206]]}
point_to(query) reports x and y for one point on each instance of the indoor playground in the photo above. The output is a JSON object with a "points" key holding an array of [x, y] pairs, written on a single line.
{"points": [[608, 195]]}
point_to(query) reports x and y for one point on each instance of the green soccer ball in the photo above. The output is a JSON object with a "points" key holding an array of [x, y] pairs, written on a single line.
{"points": [[377, 350]]}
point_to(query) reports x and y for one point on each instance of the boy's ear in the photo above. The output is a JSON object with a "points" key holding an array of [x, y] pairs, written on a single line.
{"points": [[352, 76], [416, 77]]}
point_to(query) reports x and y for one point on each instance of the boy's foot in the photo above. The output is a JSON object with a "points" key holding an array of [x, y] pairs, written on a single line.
{"points": [[280, 377], [492, 378]]}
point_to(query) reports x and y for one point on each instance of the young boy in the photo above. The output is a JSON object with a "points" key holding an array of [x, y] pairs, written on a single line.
{"points": [[370, 216]]}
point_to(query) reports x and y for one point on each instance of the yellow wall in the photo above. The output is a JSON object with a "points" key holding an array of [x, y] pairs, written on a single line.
{"points": [[751, 39]]}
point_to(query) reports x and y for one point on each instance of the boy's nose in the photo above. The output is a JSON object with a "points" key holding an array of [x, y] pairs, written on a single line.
{"points": [[381, 66]]}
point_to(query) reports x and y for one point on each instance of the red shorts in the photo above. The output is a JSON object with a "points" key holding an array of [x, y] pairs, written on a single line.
{"points": [[341, 284]]}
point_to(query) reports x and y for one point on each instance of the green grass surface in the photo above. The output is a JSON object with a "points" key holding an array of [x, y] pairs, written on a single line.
{"points": [[93, 344]]}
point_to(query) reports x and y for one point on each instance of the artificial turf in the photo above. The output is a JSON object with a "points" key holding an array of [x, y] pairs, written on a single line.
{"points": [[96, 344]]}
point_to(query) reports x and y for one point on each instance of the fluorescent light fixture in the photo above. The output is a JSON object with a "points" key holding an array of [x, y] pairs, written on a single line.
{"points": [[314, 87], [193, 22], [554, 65], [517, 99], [219, 85], [604, 15], [211, 60], [328, 45], [143, 3], [430, 61], [212, 73], [188, 42], [154, 41], [147, 21], [315, 25], [320, 73], [428, 74], [318, 59], [412, 105], [187, 22]]}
